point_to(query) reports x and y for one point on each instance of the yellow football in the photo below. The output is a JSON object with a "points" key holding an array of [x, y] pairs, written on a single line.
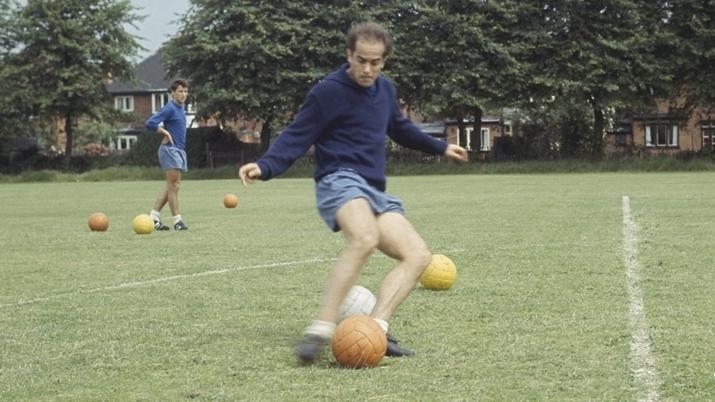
{"points": [[143, 224], [440, 274]]}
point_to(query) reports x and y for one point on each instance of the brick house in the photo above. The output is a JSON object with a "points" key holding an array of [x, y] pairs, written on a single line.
{"points": [[491, 130], [666, 131]]}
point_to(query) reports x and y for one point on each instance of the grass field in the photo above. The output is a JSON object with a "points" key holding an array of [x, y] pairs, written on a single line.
{"points": [[542, 308]]}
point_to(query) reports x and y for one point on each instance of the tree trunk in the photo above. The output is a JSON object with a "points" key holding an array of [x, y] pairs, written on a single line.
{"points": [[598, 127], [69, 143], [477, 129], [462, 132], [266, 133]]}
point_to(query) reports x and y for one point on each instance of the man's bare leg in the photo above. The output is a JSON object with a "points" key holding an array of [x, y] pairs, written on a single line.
{"points": [[399, 240], [359, 227]]}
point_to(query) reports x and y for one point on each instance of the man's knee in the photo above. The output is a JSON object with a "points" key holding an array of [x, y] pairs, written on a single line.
{"points": [[420, 258], [364, 243]]}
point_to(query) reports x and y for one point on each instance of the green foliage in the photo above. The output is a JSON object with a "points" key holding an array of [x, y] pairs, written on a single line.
{"points": [[453, 56], [66, 51], [687, 46], [257, 59], [452, 59], [10, 114], [597, 54]]}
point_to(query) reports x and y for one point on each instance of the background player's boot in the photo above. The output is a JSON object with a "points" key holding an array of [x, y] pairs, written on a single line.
{"points": [[159, 226]]}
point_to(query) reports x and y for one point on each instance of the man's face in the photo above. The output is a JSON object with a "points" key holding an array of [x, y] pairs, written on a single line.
{"points": [[366, 62], [179, 94]]}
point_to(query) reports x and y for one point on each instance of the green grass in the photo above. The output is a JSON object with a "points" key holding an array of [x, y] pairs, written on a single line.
{"points": [[539, 310]]}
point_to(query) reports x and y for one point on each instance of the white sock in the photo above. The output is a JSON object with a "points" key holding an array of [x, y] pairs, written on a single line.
{"points": [[177, 218], [321, 328], [155, 215], [383, 324]]}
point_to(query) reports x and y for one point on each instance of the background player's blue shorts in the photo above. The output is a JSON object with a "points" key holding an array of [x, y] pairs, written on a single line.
{"points": [[171, 157], [343, 185]]}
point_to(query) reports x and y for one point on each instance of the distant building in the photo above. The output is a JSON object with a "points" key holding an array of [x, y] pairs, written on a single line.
{"points": [[667, 130]]}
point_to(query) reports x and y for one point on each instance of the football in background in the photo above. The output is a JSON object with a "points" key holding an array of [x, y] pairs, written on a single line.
{"points": [[98, 222]]}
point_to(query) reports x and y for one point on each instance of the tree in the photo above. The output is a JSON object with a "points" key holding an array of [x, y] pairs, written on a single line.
{"points": [[8, 114], [689, 29], [458, 58], [256, 60], [600, 53], [67, 51]]}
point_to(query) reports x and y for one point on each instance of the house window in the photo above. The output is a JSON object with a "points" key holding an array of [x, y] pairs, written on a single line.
{"points": [[125, 142], [621, 139], [507, 129], [158, 101], [661, 135], [707, 129], [124, 103], [485, 140]]}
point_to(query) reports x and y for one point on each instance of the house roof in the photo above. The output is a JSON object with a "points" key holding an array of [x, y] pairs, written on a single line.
{"points": [[150, 76]]}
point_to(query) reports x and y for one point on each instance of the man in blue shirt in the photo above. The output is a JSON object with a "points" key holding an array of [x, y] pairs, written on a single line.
{"points": [[347, 117], [170, 122]]}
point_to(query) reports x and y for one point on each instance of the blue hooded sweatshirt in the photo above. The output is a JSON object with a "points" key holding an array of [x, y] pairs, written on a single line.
{"points": [[348, 125]]}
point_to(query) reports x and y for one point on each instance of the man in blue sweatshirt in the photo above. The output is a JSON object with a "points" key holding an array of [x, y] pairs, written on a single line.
{"points": [[347, 117], [170, 122]]}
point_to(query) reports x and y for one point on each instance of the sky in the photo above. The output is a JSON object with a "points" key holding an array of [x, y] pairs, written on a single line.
{"points": [[160, 23]]}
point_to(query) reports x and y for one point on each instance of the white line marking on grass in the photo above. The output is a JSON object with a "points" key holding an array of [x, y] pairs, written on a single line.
{"points": [[642, 362], [139, 284], [130, 285]]}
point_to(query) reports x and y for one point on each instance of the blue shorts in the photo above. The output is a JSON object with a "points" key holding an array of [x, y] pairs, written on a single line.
{"points": [[343, 185], [171, 157]]}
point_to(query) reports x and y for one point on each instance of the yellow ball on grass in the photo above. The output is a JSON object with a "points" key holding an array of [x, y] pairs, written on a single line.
{"points": [[440, 274], [143, 224]]}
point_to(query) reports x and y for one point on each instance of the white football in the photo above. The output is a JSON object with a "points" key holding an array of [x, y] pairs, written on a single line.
{"points": [[359, 300]]}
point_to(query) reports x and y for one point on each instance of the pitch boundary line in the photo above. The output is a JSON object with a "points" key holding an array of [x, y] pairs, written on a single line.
{"points": [[642, 362], [139, 284]]}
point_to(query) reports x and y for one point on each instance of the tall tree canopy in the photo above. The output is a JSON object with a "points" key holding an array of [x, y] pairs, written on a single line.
{"points": [[457, 58], [8, 109], [453, 59], [690, 27], [67, 49], [600, 53]]}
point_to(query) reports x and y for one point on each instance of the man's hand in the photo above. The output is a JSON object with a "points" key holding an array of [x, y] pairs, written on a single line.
{"points": [[456, 153], [248, 173], [168, 139]]}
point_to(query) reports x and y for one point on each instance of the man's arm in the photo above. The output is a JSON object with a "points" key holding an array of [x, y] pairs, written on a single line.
{"points": [[153, 123], [294, 141], [406, 133]]}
